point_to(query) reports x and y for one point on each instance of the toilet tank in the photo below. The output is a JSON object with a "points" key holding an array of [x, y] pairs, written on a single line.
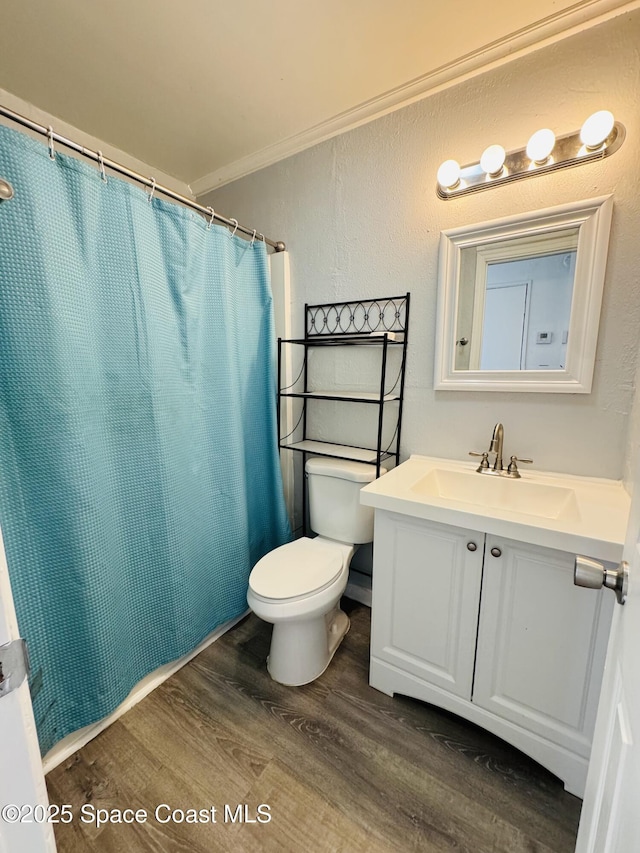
{"points": [[335, 510]]}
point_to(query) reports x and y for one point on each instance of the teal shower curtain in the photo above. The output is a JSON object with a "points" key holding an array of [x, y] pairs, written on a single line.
{"points": [[139, 475]]}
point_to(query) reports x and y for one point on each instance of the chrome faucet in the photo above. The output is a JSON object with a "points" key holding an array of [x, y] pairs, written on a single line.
{"points": [[495, 446]]}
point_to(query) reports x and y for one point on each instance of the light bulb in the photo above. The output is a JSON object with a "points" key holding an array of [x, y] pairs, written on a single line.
{"points": [[449, 174], [596, 128], [540, 145], [492, 160]]}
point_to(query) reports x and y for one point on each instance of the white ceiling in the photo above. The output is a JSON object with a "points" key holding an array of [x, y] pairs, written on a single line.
{"points": [[207, 90]]}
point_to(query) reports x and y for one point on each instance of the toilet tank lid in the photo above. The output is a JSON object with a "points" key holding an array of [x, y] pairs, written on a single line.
{"points": [[345, 469]]}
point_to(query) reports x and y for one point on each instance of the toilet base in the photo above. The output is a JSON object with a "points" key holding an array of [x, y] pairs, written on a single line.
{"points": [[301, 651]]}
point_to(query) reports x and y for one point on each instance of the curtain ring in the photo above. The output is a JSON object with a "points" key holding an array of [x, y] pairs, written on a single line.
{"points": [[101, 162], [52, 152], [233, 233], [261, 237], [153, 189], [253, 239], [213, 213]]}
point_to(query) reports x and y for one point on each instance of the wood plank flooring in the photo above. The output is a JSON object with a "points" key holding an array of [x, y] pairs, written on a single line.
{"points": [[341, 767]]}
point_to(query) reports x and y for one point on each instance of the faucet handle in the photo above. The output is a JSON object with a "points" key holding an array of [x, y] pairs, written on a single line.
{"points": [[485, 459], [513, 465]]}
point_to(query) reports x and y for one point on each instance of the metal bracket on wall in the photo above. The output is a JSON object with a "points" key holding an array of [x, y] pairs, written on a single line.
{"points": [[14, 666]]}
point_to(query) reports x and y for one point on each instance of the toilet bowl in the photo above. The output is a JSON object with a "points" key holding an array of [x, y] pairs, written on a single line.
{"points": [[297, 587]]}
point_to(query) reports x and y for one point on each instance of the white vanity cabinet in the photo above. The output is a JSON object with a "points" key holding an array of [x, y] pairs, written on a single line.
{"points": [[491, 629], [427, 594]]}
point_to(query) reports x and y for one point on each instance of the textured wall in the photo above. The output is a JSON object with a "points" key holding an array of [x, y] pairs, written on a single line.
{"points": [[361, 218]]}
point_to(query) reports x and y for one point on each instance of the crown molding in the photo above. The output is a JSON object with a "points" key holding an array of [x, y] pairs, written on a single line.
{"points": [[578, 18]]}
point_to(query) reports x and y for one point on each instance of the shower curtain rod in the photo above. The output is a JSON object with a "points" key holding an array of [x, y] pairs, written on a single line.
{"points": [[123, 170]]}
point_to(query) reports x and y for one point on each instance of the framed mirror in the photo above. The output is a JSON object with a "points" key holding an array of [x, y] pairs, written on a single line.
{"points": [[519, 300]]}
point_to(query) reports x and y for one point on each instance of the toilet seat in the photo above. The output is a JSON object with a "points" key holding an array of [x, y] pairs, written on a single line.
{"points": [[297, 569]]}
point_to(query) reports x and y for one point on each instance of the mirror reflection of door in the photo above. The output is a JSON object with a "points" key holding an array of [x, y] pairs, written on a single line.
{"points": [[504, 327], [514, 304]]}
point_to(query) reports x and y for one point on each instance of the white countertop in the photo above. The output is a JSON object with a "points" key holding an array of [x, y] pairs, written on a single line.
{"points": [[591, 513]]}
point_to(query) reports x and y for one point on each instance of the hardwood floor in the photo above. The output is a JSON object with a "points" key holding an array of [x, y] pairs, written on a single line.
{"points": [[340, 766]]}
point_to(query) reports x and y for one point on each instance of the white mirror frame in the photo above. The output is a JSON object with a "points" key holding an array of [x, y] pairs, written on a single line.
{"points": [[593, 220]]}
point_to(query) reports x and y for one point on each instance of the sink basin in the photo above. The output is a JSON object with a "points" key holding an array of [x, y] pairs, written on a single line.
{"points": [[500, 493], [582, 515]]}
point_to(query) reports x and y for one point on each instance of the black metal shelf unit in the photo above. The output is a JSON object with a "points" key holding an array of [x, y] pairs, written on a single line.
{"points": [[379, 323]]}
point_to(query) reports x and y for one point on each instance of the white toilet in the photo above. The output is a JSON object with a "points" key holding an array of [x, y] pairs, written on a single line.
{"points": [[298, 586]]}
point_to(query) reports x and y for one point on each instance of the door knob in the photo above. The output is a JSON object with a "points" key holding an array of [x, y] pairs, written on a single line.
{"points": [[496, 552], [593, 575]]}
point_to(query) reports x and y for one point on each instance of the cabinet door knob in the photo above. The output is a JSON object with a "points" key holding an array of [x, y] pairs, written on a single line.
{"points": [[496, 552], [471, 546]]}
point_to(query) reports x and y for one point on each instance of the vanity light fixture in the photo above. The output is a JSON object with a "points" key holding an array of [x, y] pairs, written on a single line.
{"points": [[492, 160], [449, 174], [540, 146], [596, 129], [599, 136]]}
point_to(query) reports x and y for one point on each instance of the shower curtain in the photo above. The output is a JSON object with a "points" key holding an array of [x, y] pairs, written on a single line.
{"points": [[139, 474]]}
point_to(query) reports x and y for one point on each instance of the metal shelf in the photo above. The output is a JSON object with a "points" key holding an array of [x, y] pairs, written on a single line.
{"points": [[368, 455], [346, 340], [381, 323], [343, 396]]}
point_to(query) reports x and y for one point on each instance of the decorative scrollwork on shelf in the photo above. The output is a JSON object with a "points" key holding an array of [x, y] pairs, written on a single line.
{"points": [[359, 317]]}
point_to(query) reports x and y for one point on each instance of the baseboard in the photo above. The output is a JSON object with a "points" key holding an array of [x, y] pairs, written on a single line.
{"points": [[76, 740], [358, 593]]}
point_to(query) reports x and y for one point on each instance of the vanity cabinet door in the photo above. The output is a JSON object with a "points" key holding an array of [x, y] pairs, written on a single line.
{"points": [[426, 594], [541, 643]]}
